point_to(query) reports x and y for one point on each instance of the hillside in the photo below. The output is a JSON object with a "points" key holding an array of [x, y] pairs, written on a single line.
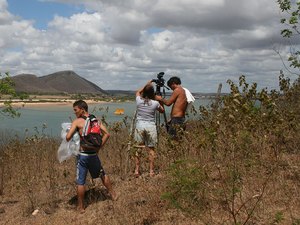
{"points": [[55, 83]]}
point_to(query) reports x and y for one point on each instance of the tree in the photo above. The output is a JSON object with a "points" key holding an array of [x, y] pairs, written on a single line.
{"points": [[7, 91], [291, 16], [291, 13]]}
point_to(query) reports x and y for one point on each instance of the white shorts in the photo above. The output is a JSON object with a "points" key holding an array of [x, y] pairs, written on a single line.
{"points": [[145, 132]]}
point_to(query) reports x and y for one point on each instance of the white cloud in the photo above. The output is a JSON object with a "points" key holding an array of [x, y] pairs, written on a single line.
{"points": [[5, 16], [122, 44]]}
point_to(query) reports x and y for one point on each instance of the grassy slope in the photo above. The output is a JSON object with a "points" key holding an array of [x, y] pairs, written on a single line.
{"points": [[237, 164], [33, 179]]}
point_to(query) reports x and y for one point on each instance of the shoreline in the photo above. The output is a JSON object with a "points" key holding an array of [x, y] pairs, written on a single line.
{"points": [[46, 103]]}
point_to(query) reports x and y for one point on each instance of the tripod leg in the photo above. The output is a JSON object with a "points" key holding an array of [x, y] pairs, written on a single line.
{"points": [[166, 122]]}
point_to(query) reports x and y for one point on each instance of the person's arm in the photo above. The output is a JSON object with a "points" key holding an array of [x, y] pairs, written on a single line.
{"points": [[161, 108], [72, 130], [169, 101], [105, 133], [140, 91]]}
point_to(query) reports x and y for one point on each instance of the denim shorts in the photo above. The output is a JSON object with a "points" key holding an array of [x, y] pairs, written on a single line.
{"points": [[145, 132], [91, 163]]}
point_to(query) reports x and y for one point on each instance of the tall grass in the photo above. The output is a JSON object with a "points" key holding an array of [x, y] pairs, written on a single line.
{"points": [[240, 158]]}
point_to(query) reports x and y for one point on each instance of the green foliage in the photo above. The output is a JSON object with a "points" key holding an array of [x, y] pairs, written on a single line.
{"points": [[278, 218], [6, 85], [6, 88], [187, 187], [284, 5], [291, 14], [23, 96]]}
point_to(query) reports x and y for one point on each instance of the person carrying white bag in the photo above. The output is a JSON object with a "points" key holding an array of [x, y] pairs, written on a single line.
{"points": [[67, 149]]}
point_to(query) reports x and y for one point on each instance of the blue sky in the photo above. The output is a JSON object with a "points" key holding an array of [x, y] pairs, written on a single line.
{"points": [[41, 11], [122, 44]]}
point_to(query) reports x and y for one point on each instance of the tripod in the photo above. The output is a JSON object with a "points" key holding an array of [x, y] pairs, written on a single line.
{"points": [[158, 92]]}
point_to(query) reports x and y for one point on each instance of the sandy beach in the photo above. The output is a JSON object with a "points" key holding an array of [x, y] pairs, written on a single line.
{"points": [[47, 102]]}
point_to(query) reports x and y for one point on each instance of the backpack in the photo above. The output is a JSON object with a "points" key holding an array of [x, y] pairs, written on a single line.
{"points": [[91, 137]]}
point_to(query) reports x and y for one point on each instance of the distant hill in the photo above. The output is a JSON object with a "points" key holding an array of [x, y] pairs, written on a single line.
{"points": [[120, 92], [167, 94], [55, 83]]}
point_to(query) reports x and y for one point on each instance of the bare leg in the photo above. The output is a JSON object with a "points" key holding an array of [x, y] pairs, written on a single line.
{"points": [[151, 161], [80, 197], [106, 182]]}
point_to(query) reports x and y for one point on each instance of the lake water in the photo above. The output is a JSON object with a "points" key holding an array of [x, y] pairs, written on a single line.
{"points": [[48, 119]]}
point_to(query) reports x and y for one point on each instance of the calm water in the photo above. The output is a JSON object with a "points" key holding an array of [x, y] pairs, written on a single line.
{"points": [[48, 119]]}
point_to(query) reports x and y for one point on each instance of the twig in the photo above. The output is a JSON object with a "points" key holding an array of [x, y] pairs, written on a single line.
{"points": [[127, 164], [259, 198]]}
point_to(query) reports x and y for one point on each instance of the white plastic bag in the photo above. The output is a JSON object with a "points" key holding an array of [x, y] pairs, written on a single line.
{"points": [[68, 148]]}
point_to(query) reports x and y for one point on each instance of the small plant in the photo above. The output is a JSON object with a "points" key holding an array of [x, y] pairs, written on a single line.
{"points": [[296, 222], [187, 187], [278, 218]]}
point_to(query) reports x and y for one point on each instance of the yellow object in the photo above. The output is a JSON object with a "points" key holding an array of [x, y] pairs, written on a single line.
{"points": [[119, 112]]}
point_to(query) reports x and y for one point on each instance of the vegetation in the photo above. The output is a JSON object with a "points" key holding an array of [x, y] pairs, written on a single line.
{"points": [[99, 97], [237, 163], [6, 88], [291, 12], [241, 147]]}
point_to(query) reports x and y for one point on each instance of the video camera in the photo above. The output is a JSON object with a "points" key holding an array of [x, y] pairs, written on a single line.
{"points": [[160, 81]]}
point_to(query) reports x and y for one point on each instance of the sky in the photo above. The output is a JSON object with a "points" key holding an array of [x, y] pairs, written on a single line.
{"points": [[120, 45]]}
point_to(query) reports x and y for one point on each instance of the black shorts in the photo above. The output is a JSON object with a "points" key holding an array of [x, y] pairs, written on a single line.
{"points": [[176, 125]]}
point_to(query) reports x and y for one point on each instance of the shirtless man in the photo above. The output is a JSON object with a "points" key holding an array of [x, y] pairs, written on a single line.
{"points": [[88, 160], [179, 101]]}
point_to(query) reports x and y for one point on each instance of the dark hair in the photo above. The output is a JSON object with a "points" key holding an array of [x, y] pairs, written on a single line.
{"points": [[81, 104], [148, 91], [173, 80]]}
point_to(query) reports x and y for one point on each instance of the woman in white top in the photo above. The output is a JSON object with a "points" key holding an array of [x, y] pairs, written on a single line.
{"points": [[145, 130]]}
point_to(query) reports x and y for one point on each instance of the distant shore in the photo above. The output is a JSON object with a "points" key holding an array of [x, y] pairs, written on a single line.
{"points": [[47, 102]]}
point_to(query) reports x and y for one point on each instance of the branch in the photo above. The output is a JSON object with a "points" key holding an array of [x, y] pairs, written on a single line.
{"points": [[285, 66]]}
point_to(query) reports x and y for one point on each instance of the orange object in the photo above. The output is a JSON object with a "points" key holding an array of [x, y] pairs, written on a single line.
{"points": [[119, 112]]}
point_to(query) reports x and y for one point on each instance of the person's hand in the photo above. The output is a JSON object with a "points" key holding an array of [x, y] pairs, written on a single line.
{"points": [[158, 98]]}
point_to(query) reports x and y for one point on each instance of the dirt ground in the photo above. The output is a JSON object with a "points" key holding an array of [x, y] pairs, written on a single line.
{"points": [[139, 202]]}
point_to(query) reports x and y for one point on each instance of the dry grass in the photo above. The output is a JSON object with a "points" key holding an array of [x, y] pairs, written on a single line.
{"points": [[267, 183], [236, 164], [33, 179]]}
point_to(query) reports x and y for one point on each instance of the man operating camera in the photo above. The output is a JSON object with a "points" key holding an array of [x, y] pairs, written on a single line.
{"points": [[179, 101]]}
